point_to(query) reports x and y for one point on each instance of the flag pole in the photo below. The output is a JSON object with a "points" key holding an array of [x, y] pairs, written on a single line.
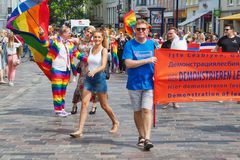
{"points": [[30, 14], [154, 114], [33, 18]]}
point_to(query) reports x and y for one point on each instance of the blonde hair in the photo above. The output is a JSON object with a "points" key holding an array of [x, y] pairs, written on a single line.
{"points": [[10, 42], [104, 35], [91, 28], [142, 21]]}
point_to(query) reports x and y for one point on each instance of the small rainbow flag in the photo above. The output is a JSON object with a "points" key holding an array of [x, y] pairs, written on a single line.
{"points": [[129, 20], [25, 21], [115, 59]]}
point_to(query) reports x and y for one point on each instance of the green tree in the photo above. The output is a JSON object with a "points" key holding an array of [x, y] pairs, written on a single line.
{"points": [[62, 10]]}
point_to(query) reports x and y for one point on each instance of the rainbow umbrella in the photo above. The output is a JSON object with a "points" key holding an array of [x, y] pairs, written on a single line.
{"points": [[25, 20]]}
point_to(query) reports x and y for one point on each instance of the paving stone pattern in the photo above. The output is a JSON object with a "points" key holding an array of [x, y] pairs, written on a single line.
{"points": [[30, 130]]}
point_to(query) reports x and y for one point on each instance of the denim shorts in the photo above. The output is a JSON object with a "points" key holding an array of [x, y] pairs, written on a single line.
{"points": [[96, 84]]}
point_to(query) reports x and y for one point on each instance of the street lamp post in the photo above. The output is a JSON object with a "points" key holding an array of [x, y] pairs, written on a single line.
{"points": [[119, 8], [176, 13]]}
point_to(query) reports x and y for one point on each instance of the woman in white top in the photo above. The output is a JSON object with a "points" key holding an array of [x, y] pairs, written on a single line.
{"points": [[95, 82], [13, 59]]}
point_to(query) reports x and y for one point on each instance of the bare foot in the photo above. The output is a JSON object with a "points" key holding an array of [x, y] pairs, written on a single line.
{"points": [[76, 134], [114, 127]]}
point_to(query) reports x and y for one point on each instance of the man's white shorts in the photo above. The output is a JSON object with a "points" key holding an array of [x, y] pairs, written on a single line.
{"points": [[141, 99]]}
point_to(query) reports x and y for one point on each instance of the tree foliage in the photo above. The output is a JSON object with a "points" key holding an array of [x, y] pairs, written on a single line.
{"points": [[61, 10]]}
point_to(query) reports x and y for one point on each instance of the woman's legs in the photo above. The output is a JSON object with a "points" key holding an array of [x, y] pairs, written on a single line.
{"points": [[105, 106], [94, 100], [76, 97], [11, 68], [83, 113]]}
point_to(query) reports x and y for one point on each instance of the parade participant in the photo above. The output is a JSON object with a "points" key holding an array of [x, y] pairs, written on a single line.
{"points": [[84, 44], [60, 62], [13, 58], [171, 34], [1, 67], [4, 53], [139, 59], [114, 53], [96, 82], [122, 40], [230, 42]]}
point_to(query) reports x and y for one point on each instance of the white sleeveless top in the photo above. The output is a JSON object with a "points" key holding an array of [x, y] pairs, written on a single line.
{"points": [[12, 51], [94, 60]]}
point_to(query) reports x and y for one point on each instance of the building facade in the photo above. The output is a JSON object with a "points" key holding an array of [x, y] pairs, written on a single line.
{"points": [[6, 7], [96, 13], [229, 7], [200, 16]]}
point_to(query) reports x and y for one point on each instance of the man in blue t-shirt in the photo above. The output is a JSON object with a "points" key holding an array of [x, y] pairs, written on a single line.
{"points": [[139, 59]]}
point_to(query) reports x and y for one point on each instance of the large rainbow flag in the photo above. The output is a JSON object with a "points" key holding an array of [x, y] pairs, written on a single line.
{"points": [[115, 59], [129, 20], [25, 20]]}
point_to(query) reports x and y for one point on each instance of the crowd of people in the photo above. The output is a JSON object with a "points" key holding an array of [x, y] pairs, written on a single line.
{"points": [[94, 48], [12, 49]]}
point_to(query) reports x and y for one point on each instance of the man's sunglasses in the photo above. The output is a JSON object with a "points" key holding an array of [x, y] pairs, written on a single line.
{"points": [[226, 29], [139, 29]]}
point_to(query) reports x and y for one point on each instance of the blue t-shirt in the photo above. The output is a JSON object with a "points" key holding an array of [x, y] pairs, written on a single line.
{"points": [[139, 78]]}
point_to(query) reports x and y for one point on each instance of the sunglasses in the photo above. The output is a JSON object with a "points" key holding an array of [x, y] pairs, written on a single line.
{"points": [[226, 29], [139, 29]]}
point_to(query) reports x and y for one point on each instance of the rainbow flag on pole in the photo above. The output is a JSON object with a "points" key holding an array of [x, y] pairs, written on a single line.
{"points": [[129, 20], [25, 20], [115, 59]]}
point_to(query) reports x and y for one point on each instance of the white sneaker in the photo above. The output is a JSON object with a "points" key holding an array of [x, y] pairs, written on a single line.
{"points": [[66, 113], [220, 101], [62, 113], [175, 105], [165, 106], [11, 84]]}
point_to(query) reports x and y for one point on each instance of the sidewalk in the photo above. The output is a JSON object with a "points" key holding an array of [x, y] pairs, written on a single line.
{"points": [[30, 130]]}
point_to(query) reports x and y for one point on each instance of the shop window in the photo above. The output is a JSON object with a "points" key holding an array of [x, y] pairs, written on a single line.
{"points": [[154, 2], [230, 2], [194, 13], [141, 2]]}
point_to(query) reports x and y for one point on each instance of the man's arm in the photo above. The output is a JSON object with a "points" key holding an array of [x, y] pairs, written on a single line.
{"points": [[136, 63]]}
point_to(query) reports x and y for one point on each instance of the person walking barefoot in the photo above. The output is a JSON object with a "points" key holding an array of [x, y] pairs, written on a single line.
{"points": [[95, 82]]}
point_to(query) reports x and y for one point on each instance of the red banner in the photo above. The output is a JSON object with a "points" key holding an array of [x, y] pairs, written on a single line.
{"points": [[186, 76]]}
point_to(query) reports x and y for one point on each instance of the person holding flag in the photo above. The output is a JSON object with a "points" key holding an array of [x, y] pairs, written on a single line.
{"points": [[60, 62], [53, 55]]}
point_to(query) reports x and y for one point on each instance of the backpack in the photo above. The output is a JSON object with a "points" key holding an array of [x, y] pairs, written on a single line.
{"points": [[107, 68]]}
